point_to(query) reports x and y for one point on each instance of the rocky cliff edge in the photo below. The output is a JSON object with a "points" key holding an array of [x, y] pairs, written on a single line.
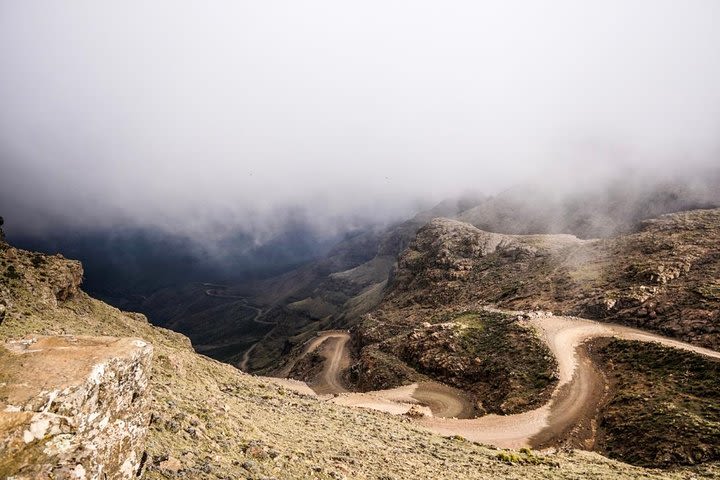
{"points": [[73, 407]]}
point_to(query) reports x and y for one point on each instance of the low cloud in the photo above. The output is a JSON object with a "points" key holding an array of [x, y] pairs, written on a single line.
{"points": [[204, 119]]}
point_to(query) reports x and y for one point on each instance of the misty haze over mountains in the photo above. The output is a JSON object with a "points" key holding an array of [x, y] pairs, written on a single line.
{"points": [[205, 121], [134, 260], [170, 143]]}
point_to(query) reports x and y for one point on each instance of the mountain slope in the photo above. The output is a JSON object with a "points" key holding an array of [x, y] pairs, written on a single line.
{"points": [[328, 293], [335, 291], [662, 278], [457, 312], [212, 421]]}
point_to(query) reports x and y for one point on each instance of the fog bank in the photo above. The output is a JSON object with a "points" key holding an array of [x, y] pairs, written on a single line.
{"points": [[202, 118]]}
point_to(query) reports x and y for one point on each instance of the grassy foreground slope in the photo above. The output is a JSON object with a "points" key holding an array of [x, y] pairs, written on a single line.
{"points": [[211, 421]]}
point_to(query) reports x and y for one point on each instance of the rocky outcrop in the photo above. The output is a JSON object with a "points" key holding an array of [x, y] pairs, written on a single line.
{"points": [[495, 358], [73, 407], [442, 265], [663, 278], [66, 279], [443, 251]]}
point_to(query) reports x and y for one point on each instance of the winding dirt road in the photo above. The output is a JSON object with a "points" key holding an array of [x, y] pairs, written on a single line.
{"points": [[329, 378], [246, 355], [216, 292], [337, 359], [578, 393]]}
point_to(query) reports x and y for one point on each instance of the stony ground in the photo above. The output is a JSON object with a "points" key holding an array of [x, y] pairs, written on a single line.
{"points": [[211, 421], [663, 278], [666, 400]]}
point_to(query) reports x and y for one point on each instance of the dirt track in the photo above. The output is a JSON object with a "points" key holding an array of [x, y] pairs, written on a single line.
{"points": [[216, 292], [332, 368], [242, 365], [576, 397], [246, 356], [337, 358]]}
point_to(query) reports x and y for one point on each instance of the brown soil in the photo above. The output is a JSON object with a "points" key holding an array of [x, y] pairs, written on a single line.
{"points": [[573, 420]]}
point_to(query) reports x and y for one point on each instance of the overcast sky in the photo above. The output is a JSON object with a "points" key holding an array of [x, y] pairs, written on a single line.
{"points": [[178, 113]]}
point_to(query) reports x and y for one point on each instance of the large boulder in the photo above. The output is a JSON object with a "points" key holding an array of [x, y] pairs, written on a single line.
{"points": [[73, 407]]}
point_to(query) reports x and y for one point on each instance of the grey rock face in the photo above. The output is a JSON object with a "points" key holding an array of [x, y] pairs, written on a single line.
{"points": [[73, 407]]}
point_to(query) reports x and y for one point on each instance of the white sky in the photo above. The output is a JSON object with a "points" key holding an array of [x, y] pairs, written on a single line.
{"points": [[226, 111]]}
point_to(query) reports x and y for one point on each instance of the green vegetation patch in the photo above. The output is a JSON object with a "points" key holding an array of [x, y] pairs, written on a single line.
{"points": [[710, 292], [11, 273], [379, 370], [525, 456], [499, 360], [471, 320], [666, 409]]}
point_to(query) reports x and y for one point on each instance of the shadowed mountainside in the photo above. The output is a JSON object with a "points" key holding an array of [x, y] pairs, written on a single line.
{"points": [[333, 292]]}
